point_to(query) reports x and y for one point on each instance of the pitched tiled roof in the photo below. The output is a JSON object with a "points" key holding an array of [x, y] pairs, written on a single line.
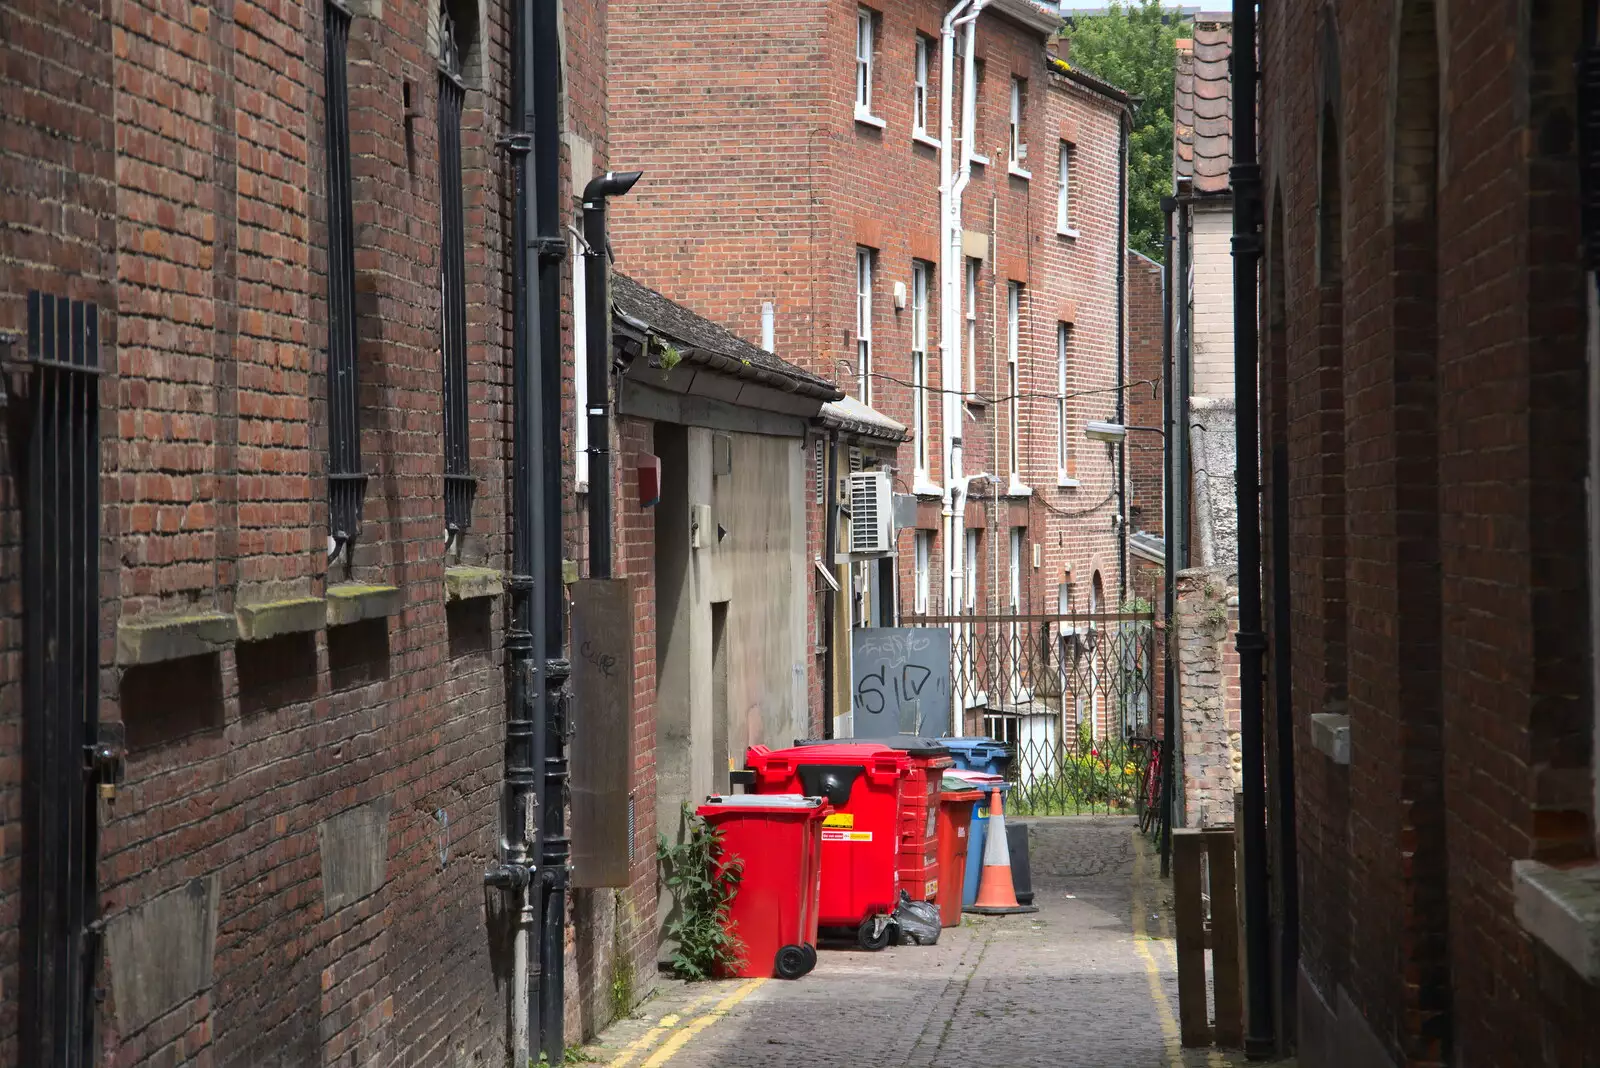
{"points": [[1202, 106], [706, 343]]}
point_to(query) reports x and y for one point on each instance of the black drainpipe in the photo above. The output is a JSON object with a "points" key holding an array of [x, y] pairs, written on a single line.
{"points": [[597, 277], [1122, 356], [554, 846], [1169, 531], [830, 542], [525, 637], [1245, 177]]}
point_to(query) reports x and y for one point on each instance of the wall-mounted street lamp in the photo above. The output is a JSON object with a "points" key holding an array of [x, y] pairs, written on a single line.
{"points": [[1114, 433]]}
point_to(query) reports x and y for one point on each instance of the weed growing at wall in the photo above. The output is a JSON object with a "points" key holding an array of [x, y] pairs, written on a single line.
{"points": [[702, 884]]}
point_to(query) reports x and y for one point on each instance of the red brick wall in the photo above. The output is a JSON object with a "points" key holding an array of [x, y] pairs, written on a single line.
{"points": [[57, 197], [1146, 390], [214, 236], [1432, 521], [760, 186]]}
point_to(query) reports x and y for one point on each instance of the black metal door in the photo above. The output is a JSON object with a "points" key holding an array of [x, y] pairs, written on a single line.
{"points": [[62, 748]]}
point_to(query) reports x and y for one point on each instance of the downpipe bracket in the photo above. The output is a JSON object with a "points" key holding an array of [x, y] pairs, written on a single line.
{"points": [[510, 876]]}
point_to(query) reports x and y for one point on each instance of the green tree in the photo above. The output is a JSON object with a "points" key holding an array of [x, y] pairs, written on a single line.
{"points": [[1132, 47]]}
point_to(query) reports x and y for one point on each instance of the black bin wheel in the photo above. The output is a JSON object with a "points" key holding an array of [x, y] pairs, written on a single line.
{"points": [[794, 961], [811, 955], [874, 933]]}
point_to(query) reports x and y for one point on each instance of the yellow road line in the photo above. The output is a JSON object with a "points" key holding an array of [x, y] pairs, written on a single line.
{"points": [[681, 1037], [1152, 970], [650, 1037]]}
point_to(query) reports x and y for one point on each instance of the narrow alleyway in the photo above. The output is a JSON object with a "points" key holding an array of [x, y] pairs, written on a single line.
{"points": [[1087, 982]]}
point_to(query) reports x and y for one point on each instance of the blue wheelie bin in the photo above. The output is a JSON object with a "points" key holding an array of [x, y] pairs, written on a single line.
{"points": [[978, 754]]}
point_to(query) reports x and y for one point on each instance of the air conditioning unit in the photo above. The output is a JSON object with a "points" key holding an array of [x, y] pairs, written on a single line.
{"points": [[871, 514]]}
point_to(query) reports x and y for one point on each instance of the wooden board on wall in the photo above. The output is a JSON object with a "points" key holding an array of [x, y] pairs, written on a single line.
{"points": [[602, 739]]}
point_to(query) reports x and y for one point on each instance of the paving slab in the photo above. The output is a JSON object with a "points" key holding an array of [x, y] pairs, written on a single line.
{"points": [[1089, 981]]}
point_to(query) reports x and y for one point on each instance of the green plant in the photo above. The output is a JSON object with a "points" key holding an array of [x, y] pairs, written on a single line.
{"points": [[702, 882], [621, 976], [572, 1055], [670, 357]]}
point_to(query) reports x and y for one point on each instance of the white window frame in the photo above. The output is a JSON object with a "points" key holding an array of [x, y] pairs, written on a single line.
{"points": [[1063, 339], [919, 89], [1019, 147], [922, 547], [977, 112], [974, 270], [919, 369], [1013, 383], [580, 368], [866, 40], [971, 695], [1063, 192], [864, 323]]}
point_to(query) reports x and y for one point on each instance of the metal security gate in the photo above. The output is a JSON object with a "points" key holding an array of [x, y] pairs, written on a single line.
{"points": [[1070, 693], [67, 752]]}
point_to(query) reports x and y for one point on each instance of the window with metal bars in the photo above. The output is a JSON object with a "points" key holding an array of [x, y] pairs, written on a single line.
{"points": [[459, 485], [347, 482]]}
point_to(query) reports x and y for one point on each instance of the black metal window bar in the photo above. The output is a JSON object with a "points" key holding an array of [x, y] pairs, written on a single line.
{"points": [[347, 482], [64, 749], [459, 485]]}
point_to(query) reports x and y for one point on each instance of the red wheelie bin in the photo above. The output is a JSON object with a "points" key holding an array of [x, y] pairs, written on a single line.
{"points": [[955, 819], [919, 801], [778, 840], [860, 838]]}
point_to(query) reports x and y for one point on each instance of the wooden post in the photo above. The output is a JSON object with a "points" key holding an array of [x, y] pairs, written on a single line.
{"points": [[1225, 937], [1194, 1026]]}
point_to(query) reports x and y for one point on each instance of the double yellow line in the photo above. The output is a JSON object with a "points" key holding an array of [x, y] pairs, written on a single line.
{"points": [[678, 1037]]}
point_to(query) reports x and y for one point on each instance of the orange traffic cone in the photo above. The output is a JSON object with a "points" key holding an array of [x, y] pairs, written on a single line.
{"points": [[996, 894]]}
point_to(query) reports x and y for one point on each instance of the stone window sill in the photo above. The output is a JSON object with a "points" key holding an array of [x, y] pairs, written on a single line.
{"points": [[153, 641], [273, 619], [1330, 734], [868, 119], [923, 139], [353, 602], [1560, 906], [1020, 172], [472, 583], [1067, 232]]}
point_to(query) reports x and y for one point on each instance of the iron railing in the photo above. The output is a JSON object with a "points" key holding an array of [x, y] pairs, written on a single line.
{"points": [[459, 485], [1067, 692], [347, 482]]}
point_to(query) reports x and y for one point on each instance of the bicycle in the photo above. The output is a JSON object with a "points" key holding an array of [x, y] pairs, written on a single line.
{"points": [[1148, 798]]}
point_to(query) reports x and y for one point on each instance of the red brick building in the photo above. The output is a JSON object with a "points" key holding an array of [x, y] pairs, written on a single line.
{"points": [[1427, 432], [793, 191], [232, 212]]}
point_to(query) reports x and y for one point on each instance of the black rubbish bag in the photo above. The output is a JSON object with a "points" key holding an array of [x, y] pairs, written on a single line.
{"points": [[916, 922]]}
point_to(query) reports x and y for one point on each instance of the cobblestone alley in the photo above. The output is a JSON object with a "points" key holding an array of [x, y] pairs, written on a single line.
{"points": [[1087, 982]]}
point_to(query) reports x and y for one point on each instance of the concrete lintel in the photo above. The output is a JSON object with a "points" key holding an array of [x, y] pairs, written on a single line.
{"points": [[470, 583], [351, 602], [1560, 906], [151, 641], [272, 619], [974, 245], [1330, 733]]}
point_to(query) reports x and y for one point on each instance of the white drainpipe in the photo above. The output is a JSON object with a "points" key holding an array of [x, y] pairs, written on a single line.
{"points": [[951, 186]]}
